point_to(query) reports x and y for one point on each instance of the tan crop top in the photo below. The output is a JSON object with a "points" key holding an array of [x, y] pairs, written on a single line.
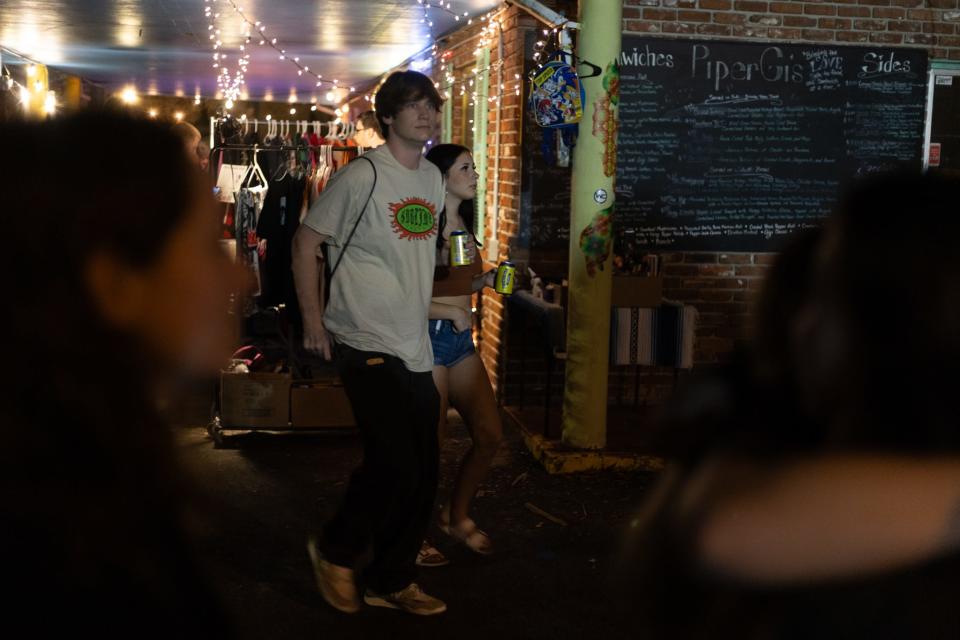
{"points": [[455, 281]]}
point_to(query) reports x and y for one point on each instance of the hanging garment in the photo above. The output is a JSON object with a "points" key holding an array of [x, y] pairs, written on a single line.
{"points": [[271, 159], [247, 212], [278, 222]]}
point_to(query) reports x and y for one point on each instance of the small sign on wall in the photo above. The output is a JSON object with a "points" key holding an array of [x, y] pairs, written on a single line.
{"points": [[933, 159], [945, 81]]}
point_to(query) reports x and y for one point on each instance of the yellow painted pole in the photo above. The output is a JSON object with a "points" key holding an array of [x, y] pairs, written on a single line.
{"points": [[38, 84], [591, 233], [72, 92]]}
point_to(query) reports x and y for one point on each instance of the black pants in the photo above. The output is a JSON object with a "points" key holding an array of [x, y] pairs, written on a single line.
{"points": [[389, 501]]}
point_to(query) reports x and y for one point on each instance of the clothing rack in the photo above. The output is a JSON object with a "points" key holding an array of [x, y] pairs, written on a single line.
{"points": [[334, 128], [297, 147], [220, 149]]}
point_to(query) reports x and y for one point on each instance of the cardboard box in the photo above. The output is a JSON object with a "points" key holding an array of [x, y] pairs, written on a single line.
{"points": [[257, 400], [635, 291], [320, 405]]}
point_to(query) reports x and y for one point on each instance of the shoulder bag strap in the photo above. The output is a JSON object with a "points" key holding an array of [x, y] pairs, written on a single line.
{"points": [[359, 218]]}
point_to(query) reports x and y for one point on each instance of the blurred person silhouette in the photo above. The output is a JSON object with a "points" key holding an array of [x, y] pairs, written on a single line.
{"points": [[816, 493], [116, 286], [203, 155], [190, 138]]}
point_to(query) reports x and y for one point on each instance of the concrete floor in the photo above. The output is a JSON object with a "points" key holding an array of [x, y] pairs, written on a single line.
{"points": [[546, 581]]}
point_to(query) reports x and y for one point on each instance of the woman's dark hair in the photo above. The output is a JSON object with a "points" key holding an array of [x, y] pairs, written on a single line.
{"points": [[400, 88], [444, 156], [92, 497]]}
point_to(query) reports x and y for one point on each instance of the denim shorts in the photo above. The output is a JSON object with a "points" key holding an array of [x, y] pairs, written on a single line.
{"points": [[449, 347]]}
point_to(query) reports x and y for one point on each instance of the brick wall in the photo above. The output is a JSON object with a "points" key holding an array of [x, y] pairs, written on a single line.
{"points": [[932, 24], [490, 322]]}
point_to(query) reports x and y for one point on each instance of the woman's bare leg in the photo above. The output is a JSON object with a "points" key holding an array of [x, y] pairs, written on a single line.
{"points": [[469, 391]]}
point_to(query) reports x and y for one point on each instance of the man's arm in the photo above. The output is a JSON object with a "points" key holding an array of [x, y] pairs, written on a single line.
{"points": [[830, 517], [307, 271]]}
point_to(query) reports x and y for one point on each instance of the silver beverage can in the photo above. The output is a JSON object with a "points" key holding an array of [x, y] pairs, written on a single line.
{"points": [[506, 274], [459, 256]]}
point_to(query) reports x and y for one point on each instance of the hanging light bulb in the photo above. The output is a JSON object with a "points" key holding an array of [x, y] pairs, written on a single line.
{"points": [[129, 95], [50, 103]]}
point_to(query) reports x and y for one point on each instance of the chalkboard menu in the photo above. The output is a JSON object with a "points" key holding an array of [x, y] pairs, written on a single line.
{"points": [[731, 146]]}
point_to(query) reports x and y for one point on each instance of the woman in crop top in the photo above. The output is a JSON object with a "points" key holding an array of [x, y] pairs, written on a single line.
{"points": [[458, 370]]}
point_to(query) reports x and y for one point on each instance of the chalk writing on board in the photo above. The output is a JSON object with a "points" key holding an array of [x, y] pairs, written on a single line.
{"points": [[826, 69], [732, 146]]}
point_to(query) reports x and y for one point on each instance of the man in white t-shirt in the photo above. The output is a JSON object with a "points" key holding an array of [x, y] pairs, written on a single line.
{"points": [[378, 217]]}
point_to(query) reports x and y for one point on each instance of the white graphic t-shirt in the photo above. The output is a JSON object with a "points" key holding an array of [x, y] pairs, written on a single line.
{"points": [[380, 294]]}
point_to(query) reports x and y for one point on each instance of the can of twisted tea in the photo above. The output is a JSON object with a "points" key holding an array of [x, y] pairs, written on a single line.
{"points": [[459, 255], [506, 274]]}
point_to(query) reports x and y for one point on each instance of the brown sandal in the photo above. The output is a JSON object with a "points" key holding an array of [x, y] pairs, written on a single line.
{"points": [[430, 556], [470, 535]]}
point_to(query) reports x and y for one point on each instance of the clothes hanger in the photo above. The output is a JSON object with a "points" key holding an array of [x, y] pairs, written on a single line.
{"points": [[282, 170], [256, 167]]}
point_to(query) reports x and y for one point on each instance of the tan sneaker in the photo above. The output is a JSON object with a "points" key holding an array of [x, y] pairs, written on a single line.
{"points": [[412, 600], [336, 584]]}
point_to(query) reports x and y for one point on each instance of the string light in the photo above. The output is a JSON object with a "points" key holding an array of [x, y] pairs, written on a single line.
{"points": [[229, 84], [129, 95], [26, 92], [447, 84], [260, 28], [50, 103], [441, 6], [550, 35]]}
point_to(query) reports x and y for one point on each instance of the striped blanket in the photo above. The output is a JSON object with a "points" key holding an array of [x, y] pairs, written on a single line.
{"points": [[660, 336]]}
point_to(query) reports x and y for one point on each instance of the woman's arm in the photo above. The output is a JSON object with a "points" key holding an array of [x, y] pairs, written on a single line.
{"points": [[828, 517], [462, 318]]}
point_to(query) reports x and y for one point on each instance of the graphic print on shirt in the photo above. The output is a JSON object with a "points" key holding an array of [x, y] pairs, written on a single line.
{"points": [[414, 219]]}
